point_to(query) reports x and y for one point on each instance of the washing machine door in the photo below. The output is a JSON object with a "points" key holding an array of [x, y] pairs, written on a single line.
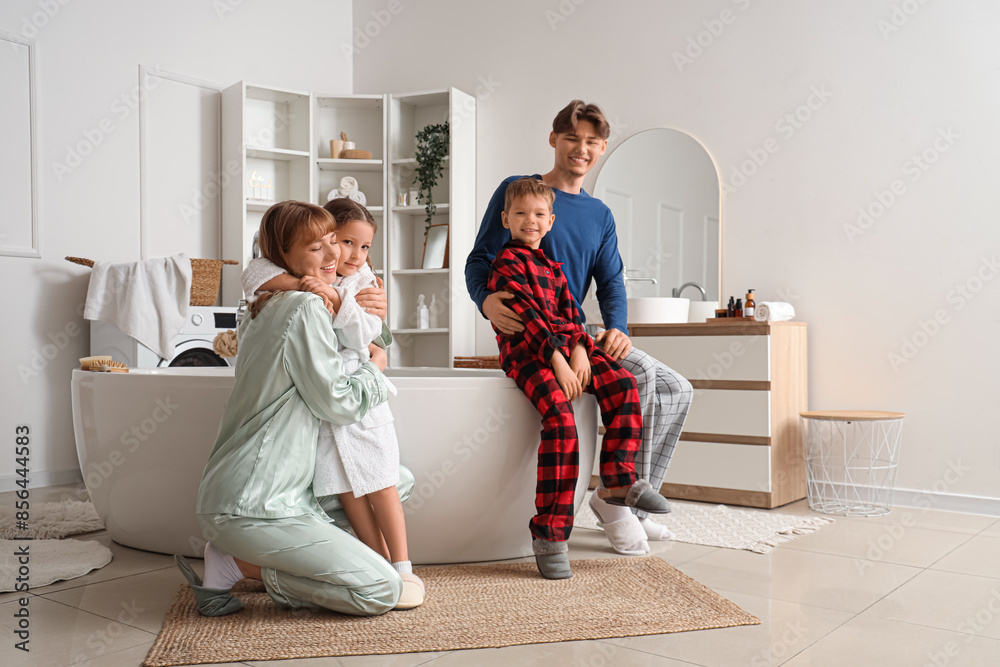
{"points": [[195, 352]]}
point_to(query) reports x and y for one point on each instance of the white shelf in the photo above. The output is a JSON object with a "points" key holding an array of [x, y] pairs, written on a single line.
{"points": [[441, 209], [282, 154], [341, 164], [258, 206], [396, 332], [420, 272], [412, 162]]}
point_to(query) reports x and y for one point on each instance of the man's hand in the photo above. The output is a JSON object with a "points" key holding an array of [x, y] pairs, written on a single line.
{"points": [[330, 297], [614, 342], [379, 358], [502, 317], [372, 299], [567, 379], [579, 362]]}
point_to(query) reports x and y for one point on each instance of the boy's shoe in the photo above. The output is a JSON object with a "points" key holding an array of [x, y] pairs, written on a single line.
{"points": [[552, 559], [413, 591], [642, 497], [211, 601]]}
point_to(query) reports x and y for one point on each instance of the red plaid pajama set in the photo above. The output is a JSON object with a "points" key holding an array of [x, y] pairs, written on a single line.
{"points": [[552, 322]]}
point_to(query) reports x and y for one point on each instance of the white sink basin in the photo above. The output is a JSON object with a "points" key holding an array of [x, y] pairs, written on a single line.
{"points": [[657, 310]]}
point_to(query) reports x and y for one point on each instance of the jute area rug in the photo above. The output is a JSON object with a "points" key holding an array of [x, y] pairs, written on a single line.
{"points": [[723, 526], [467, 606]]}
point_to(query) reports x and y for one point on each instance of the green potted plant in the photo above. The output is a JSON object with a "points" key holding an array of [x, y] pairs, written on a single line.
{"points": [[432, 149]]}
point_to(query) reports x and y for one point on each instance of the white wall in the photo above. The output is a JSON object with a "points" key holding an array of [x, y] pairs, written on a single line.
{"points": [[87, 60], [880, 95]]}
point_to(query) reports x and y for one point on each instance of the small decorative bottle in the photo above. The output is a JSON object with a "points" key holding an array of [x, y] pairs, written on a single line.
{"points": [[739, 308], [423, 313], [731, 308], [749, 304], [435, 313]]}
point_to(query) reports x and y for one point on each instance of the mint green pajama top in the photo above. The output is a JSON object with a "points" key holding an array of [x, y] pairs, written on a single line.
{"points": [[289, 376]]}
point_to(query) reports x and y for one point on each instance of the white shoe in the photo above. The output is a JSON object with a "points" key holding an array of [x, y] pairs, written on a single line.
{"points": [[625, 535]]}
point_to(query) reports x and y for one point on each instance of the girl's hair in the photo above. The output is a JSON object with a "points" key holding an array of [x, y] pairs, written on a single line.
{"points": [[282, 226], [346, 210]]}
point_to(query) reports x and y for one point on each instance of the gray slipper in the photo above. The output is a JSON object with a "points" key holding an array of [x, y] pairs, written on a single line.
{"points": [[642, 497], [211, 601], [552, 559]]}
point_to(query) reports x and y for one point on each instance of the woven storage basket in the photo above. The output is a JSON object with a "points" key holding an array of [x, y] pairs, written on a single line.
{"points": [[477, 362], [205, 276]]}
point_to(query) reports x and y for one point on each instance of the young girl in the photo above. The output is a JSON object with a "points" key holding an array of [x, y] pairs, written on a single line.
{"points": [[358, 462]]}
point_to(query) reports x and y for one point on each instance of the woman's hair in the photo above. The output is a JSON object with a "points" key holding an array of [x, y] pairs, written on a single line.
{"points": [[577, 110], [283, 225], [346, 210]]}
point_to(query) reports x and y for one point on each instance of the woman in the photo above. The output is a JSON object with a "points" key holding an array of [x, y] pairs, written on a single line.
{"points": [[256, 498]]}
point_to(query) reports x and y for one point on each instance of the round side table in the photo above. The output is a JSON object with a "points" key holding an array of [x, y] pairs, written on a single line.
{"points": [[851, 460]]}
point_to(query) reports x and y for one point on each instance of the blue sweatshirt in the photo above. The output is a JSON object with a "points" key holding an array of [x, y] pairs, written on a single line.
{"points": [[582, 238]]}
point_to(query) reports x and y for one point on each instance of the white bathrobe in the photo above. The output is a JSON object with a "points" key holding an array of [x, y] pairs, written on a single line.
{"points": [[361, 457]]}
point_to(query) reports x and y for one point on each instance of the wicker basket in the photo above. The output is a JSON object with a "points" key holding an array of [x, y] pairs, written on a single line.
{"points": [[477, 362], [205, 276]]}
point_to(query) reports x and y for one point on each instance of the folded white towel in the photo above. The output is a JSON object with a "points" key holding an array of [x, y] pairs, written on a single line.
{"points": [[773, 311], [148, 300]]}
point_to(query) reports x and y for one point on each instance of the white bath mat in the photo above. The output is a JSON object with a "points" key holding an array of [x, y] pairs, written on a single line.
{"points": [[48, 561], [753, 530], [50, 520]]}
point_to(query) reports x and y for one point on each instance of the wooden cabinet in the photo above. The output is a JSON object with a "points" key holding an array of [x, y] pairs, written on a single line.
{"points": [[741, 443]]}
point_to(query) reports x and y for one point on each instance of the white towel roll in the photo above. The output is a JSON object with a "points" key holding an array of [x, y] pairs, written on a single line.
{"points": [[773, 311]]}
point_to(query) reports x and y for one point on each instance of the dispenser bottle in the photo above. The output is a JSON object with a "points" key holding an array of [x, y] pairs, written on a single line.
{"points": [[731, 308], [749, 305], [739, 308], [435, 313], [423, 314]]}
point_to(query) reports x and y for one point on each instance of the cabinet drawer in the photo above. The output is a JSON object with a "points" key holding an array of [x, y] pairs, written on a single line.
{"points": [[719, 465], [711, 357], [730, 412]]}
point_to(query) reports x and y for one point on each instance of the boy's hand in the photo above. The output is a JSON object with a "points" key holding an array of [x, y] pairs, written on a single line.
{"points": [[567, 379], [330, 297], [379, 358], [579, 362], [614, 342], [372, 299]]}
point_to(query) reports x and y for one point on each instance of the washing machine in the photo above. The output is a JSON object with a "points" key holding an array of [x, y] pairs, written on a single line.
{"points": [[192, 346]]}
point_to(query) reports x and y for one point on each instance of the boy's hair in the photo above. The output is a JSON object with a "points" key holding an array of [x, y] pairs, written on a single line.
{"points": [[524, 187], [577, 110], [346, 210], [283, 225]]}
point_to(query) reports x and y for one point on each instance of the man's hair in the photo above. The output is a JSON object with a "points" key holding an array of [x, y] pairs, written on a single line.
{"points": [[577, 110], [524, 187]]}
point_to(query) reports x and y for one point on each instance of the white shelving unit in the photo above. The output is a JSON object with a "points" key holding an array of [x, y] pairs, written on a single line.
{"points": [[284, 136], [265, 138]]}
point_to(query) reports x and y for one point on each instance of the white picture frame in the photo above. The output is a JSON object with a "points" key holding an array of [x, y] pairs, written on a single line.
{"points": [[19, 233], [436, 248]]}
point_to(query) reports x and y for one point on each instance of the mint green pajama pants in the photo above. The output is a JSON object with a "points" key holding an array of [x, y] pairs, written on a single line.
{"points": [[308, 562]]}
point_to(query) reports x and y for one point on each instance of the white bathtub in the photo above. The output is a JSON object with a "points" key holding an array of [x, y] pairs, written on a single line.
{"points": [[469, 436]]}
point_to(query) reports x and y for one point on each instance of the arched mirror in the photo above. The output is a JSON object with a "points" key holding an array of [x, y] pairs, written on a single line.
{"points": [[663, 189]]}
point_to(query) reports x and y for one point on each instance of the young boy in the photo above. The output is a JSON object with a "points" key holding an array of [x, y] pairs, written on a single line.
{"points": [[554, 361]]}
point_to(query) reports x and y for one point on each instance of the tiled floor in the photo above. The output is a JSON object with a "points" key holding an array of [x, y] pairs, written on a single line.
{"points": [[917, 587]]}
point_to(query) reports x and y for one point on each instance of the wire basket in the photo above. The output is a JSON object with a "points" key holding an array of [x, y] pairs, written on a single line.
{"points": [[205, 277]]}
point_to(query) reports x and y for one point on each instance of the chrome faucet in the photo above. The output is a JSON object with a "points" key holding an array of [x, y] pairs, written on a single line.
{"points": [[629, 279], [676, 292]]}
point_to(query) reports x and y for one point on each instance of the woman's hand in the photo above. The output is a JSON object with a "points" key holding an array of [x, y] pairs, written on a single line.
{"points": [[379, 358], [330, 297], [579, 362], [372, 299], [567, 379]]}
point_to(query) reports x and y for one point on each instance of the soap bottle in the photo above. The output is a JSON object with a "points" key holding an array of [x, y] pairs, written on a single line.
{"points": [[423, 314], [731, 308], [749, 305], [738, 309]]}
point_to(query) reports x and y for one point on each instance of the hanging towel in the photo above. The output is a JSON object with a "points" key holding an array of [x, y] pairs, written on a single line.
{"points": [[148, 300], [773, 311]]}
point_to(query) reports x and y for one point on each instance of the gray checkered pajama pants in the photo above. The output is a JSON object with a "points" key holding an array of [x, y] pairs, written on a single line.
{"points": [[665, 397]]}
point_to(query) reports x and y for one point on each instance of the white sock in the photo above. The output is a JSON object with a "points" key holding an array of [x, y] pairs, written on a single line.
{"points": [[221, 570], [403, 566], [655, 531], [610, 513]]}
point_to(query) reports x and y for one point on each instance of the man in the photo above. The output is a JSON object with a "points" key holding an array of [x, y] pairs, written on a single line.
{"points": [[586, 244]]}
